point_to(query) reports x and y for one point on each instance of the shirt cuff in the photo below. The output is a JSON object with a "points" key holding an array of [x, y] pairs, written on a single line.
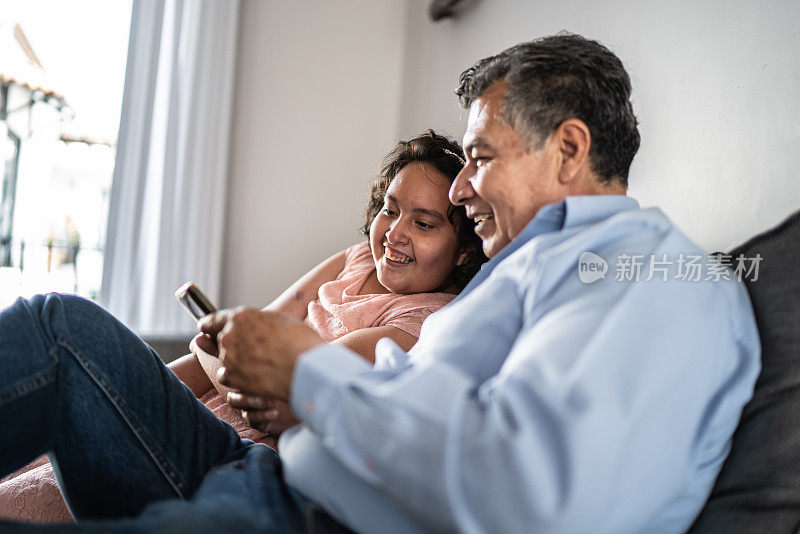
{"points": [[318, 373]]}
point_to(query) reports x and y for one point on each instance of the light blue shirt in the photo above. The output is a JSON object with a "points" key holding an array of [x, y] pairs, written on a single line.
{"points": [[548, 397]]}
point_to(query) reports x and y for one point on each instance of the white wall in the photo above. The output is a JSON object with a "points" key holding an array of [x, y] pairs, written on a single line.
{"points": [[716, 87], [317, 93], [324, 89]]}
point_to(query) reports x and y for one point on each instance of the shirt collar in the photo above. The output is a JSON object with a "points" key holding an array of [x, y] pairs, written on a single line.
{"points": [[568, 213], [589, 209]]}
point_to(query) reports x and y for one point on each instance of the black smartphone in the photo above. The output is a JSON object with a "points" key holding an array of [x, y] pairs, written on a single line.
{"points": [[194, 300]]}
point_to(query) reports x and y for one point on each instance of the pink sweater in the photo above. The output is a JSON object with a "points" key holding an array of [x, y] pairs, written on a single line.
{"points": [[339, 309]]}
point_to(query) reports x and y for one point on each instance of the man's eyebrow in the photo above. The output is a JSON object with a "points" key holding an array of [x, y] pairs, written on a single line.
{"points": [[477, 142], [432, 213]]}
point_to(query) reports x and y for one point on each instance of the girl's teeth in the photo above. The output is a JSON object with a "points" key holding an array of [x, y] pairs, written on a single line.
{"points": [[401, 259]]}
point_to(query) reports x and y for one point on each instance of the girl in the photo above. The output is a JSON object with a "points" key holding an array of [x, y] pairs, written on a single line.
{"points": [[419, 253]]}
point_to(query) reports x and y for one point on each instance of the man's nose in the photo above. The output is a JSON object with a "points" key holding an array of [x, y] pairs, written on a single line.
{"points": [[461, 189], [397, 233]]}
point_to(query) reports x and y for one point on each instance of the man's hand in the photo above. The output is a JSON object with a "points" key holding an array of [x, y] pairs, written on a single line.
{"points": [[258, 349], [268, 415]]}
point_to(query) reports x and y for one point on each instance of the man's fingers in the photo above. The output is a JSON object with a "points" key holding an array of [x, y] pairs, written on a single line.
{"points": [[213, 323], [223, 377], [258, 350], [234, 379], [243, 401], [259, 416], [209, 326], [237, 400]]}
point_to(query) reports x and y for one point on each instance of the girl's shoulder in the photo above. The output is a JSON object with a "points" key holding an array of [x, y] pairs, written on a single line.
{"points": [[358, 258], [421, 301], [408, 312]]}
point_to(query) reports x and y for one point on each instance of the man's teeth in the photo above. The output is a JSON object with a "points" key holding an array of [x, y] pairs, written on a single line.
{"points": [[396, 257], [481, 218]]}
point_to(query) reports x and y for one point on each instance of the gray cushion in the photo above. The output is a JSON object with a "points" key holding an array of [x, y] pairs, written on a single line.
{"points": [[758, 489]]}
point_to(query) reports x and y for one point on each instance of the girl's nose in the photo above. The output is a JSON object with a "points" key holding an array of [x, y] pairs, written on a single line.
{"points": [[397, 232]]}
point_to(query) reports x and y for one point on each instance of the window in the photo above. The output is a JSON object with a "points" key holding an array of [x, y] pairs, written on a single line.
{"points": [[62, 68]]}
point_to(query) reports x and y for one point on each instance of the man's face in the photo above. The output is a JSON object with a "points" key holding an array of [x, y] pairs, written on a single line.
{"points": [[501, 185]]}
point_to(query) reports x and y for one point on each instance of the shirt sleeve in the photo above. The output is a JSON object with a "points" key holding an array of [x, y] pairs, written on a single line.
{"points": [[591, 424]]}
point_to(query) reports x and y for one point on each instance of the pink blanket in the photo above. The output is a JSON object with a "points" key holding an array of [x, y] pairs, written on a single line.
{"points": [[31, 494]]}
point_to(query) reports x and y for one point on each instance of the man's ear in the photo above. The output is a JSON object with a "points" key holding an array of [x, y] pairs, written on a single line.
{"points": [[574, 140]]}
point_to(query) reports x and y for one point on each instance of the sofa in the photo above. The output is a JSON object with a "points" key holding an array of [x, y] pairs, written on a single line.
{"points": [[758, 489]]}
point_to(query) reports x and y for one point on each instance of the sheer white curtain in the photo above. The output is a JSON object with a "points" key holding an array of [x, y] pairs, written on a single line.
{"points": [[168, 195]]}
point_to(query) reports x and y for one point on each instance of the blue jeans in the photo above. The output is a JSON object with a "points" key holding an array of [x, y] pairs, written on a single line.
{"points": [[126, 438]]}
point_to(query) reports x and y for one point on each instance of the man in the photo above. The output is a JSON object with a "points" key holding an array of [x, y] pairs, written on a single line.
{"points": [[537, 401], [553, 395]]}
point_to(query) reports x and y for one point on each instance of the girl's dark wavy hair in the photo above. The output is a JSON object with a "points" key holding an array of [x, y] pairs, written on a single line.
{"points": [[444, 154]]}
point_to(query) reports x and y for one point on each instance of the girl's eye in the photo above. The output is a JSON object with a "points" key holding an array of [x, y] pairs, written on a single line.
{"points": [[424, 225], [389, 212], [480, 162]]}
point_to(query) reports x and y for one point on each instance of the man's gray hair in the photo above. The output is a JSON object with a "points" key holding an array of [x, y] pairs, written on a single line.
{"points": [[557, 78]]}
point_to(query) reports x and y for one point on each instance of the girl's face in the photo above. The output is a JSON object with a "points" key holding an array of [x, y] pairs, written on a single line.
{"points": [[413, 243]]}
